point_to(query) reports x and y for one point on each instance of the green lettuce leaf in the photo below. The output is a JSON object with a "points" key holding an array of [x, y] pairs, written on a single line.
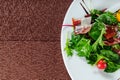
{"points": [[83, 47], [99, 40], [68, 49]]}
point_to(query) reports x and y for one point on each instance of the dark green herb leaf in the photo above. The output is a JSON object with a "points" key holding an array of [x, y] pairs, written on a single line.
{"points": [[112, 56], [92, 58], [95, 14], [111, 67], [108, 18]]}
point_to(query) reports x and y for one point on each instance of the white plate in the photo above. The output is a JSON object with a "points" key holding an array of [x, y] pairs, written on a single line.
{"points": [[77, 67]]}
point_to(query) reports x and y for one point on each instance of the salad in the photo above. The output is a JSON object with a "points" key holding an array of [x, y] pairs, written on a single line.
{"points": [[97, 39]]}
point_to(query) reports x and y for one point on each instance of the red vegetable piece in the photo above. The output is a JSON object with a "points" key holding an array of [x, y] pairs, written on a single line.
{"points": [[110, 32], [101, 64], [76, 22]]}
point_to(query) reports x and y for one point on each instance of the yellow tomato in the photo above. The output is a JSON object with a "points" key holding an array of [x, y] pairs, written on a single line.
{"points": [[118, 16]]}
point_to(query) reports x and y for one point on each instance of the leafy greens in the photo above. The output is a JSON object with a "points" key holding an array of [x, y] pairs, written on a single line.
{"points": [[91, 45]]}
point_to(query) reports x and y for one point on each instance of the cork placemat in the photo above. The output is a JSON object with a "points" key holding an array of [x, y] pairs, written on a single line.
{"points": [[30, 39]]}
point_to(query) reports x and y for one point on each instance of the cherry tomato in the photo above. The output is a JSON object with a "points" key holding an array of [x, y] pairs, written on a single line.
{"points": [[101, 64]]}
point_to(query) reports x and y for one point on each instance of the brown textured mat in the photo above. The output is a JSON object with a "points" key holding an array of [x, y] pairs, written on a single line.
{"points": [[31, 19], [30, 39], [31, 61]]}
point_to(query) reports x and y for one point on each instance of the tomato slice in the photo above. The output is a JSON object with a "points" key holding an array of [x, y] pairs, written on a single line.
{"points": [[101, 64]]}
